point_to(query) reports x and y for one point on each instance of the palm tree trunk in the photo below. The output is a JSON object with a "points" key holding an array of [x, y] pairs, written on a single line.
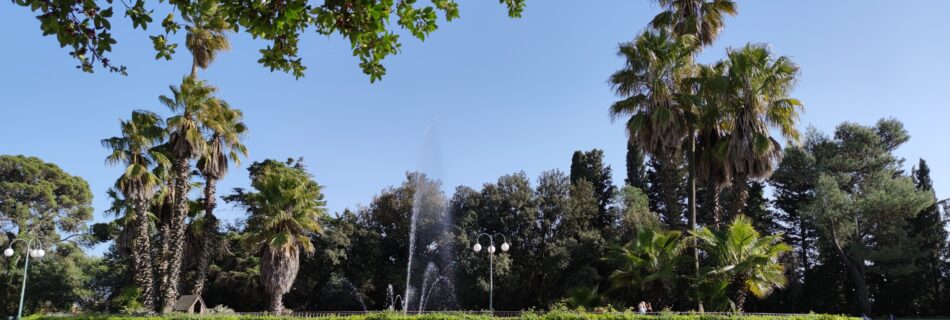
{"points": [[715, 190], [278, 271], [194, 67], [176, 242], [209, 236], [277, 303], [142, 255], [740, 296], [691, 166], [164, 241], [741, 194]]}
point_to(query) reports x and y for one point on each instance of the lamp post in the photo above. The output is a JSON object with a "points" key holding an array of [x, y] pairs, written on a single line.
{"points": [[32, 251], [491, 262]]}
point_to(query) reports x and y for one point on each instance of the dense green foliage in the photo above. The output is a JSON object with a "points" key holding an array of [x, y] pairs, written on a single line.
{"points": [[38, 199], [454, 316], [286, 207], [86, 26], [716, 213]]}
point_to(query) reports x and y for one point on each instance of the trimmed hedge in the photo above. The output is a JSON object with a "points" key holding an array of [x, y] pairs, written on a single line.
{"points": [[462, 316]]}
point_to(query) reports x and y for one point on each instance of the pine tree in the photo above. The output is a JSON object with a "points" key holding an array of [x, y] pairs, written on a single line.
{"points": [[792, 184]]}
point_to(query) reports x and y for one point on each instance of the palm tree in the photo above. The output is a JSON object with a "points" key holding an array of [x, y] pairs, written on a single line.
{"points": [[285, 210], [194, 104], [756, 99], [205, 36], [135, 149], [712, 127], [653, 97], [744, 258], [658, 87], [588, 298], [702, 19], [223, 146], [648, 263], [124, 214]]}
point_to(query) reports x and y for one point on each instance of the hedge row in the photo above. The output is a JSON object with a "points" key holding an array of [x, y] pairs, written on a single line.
{"points": [[461, 316]]}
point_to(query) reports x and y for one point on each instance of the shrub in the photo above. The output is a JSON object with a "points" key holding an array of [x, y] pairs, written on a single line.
{"points": [[554, 315]]}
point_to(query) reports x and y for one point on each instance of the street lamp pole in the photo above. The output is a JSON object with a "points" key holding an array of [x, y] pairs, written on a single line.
{"points": [[491, 262], [38, 252]]}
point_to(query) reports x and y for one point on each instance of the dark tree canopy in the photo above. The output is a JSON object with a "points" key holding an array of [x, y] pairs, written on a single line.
{"points": [[636, 166]]}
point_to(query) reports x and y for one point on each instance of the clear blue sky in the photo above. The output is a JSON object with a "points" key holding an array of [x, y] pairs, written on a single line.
{"points": [[501, 95]]}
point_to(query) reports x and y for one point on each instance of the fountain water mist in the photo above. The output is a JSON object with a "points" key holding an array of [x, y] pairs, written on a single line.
{"points": [[429, 286], [352, 290], [412, 245], [430, 225], [391, 299]]}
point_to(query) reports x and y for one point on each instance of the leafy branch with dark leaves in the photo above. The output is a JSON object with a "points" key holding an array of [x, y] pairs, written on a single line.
{"points": [[86, 27]]}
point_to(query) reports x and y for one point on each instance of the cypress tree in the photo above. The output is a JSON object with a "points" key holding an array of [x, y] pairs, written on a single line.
{"points": [[636, 166], [667, 191], [589, 166], [929, 234]]}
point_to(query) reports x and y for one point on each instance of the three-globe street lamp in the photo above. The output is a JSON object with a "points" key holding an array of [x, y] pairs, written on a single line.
{"points": [[35, 251], [491, 262]]}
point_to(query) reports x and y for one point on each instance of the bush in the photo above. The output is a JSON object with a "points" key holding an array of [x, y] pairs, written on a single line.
{"points": [[221, 310], [556, 315]]}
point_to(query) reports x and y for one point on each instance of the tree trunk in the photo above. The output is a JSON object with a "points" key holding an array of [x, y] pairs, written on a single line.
{"points": [[277, 303], [164, 241], [691, 167], [194, 67], [715, 190], [803, 233], [856, 273], [176, 241], [860, 286], [209, 236], [740, 299], [142, 255], [740, 194]]}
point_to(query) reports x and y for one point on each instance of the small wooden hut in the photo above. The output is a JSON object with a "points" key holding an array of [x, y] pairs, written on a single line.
{"points": [[190, 304]]}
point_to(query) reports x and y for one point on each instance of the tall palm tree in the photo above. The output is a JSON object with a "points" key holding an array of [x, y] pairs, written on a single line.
{"points": [[224, 145], [746, 260], [653, 97], [757, 99], [135, 149], [206, 34], [193, 102], [702, 19], [712, 126], [648, 263], [285, 210], [657, 85]]}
